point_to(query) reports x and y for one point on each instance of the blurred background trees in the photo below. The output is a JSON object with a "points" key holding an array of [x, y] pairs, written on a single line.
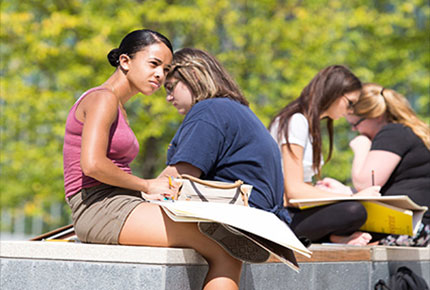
{"points": [[54, 50]]}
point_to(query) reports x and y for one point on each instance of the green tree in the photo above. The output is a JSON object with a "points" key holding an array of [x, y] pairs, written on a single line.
{"points": [[53, 50]]}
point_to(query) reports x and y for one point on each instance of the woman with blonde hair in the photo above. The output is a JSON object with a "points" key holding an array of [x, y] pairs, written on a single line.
{"points": [[394, 144]]}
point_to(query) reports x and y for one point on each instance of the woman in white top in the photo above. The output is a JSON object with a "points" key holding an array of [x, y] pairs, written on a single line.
{"points": [[330, 95]]}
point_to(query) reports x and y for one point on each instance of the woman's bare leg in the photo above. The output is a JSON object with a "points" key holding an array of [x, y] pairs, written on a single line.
{"points": [[148, 225]]}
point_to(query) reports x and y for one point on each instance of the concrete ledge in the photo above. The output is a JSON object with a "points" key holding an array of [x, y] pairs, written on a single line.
{"points": [[67, 265], [69, 251], [400, 254], [344, 253]]}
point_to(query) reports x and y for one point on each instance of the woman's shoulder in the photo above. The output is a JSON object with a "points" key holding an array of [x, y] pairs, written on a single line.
{"points": [[395, 129], [395, 135], [296, 123], [206, 110], [97, 94], [394, 126], [98, 100], [298, 119], [221, 106], [218, 102], [99, 97], [399, 139]]}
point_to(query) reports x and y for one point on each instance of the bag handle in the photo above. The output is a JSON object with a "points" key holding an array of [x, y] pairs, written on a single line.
{"points": [[237, 183], [381, 285]]}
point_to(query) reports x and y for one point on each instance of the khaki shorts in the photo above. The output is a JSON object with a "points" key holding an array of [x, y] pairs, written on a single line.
{"points": [[99, 212]]}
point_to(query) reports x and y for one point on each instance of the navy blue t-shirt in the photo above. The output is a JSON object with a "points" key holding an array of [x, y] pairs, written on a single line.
{"points": [[227, 142]]}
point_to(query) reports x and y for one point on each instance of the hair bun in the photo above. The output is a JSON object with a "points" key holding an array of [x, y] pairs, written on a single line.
{"points": [[113, 57]]}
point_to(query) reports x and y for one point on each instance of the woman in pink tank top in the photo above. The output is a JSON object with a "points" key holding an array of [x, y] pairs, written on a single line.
{"points": [[104, 195]]}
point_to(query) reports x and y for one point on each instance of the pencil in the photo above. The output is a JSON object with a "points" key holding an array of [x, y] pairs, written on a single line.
{"points": [[170, 182], [373, 177], [170, 187]]}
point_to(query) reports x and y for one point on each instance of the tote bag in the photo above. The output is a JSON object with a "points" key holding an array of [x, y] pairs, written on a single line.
{"points": [[196, 189]]}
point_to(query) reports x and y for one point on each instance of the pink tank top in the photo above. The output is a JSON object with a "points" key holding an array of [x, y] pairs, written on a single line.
{"points": [[122, 149]]}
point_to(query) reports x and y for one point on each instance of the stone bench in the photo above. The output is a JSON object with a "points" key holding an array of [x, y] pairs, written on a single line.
{"points": [[69, 265]]}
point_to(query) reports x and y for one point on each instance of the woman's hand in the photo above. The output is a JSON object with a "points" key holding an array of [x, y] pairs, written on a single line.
{"points": [[370, 191], [333, 185], [163, 187]]}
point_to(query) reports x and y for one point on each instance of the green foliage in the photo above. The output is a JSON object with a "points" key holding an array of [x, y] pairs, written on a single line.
{"points": [[52, 51]]}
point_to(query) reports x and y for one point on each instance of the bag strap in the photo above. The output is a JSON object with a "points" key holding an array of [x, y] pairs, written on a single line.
{"points": [[409, 278], [237, 183]]}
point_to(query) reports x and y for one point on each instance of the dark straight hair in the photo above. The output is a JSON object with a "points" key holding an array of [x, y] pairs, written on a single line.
{"points": [[323, 90], [136, 41]]}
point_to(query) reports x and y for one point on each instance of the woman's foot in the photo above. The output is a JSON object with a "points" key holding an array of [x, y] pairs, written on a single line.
{"points": [[356, 239]]}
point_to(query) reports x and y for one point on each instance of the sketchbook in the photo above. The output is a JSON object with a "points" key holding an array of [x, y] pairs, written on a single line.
{"points": [[394, 214], [263, 227]]}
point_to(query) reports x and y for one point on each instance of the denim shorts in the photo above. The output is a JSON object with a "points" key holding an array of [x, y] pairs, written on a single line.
{"points": [[99, 212]]}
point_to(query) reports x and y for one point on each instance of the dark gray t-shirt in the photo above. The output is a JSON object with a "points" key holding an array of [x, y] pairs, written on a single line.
{"points": [[412, 175]]}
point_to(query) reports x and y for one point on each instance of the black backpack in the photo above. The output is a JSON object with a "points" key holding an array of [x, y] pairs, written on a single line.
{"points": [[403, 279]]}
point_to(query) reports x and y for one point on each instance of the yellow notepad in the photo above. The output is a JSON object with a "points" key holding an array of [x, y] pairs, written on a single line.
{"points": [[394, 214], [388, 219]]}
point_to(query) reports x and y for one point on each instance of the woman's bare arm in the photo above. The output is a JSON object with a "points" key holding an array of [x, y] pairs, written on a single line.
{"points": [[295, 187], [381, 162], [99, 110]]}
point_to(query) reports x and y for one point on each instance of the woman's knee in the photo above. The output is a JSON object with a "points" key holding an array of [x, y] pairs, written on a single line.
{"points": [[355, 211]]}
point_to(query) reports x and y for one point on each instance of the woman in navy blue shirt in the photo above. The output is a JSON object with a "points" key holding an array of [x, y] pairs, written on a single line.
{"points": [[220, 138]]}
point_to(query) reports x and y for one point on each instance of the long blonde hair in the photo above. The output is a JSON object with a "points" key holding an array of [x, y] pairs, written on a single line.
{"points": [[376, 100]]}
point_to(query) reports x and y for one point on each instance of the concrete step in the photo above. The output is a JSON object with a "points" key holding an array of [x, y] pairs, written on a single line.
{"points": [[69, 265]]}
